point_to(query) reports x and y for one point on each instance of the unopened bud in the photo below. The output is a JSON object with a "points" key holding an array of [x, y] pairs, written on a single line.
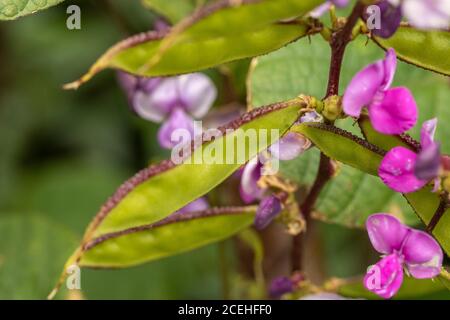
{"points": [[332, 108]]}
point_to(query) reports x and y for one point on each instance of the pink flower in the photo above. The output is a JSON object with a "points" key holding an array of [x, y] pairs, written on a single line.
{"points": [[401, 247], [391, 111], [405, 171]]}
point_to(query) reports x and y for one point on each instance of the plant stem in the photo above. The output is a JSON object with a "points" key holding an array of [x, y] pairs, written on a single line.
{"points": [[443, 206], [338, 42], [324, 174], [224, 271]]}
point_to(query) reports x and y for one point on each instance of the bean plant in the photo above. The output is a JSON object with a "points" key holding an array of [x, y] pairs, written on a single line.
{"points": [[277, 116]]}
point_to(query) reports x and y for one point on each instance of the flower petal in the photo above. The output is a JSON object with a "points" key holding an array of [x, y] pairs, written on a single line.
{"points": [[268, 209], [197, 205], [178, 120], [127, 81], [311, 116], [390, 66], [362, 89], [397, 171], [386, 233], [249, 189], [156, 104], [427, 132], [394, 112], [428, 162], [290, 146], [320, 10], [148, 85], [427, 14], [390, 18], [385, 277], [197, 93], [280, 286], [423, 255], [340, 3]]}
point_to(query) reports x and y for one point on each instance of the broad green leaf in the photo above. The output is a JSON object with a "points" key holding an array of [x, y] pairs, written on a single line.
{"points": [[424, 202], [13, 9], [410, 289], [352, 196], [173, 10], [175, 235], [143, 199], [426, 49], [32, 250], [216, 34], [342, 146]]}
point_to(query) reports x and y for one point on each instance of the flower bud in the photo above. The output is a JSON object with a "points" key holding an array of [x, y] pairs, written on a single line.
{"points": [[332, 108]]}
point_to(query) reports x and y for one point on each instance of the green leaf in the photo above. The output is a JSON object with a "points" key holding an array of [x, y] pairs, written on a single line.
{"points": [[426, 49], [13, 9], [410, 289], [342, 146], [445, 278], [173, 10], [425, 203], [143, 199], [385, 141], [216, 34], [32, 250], [177, 234], [352, 196]]}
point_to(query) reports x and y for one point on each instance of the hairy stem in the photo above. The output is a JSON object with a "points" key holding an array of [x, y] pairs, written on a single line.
{"points": [[443, 206], [338, 42]]}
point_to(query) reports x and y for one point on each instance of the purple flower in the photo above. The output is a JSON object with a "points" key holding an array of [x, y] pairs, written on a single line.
{"points": [[427, 14], [405, 171], [268, 209], [401, 247], [287, 148], [391, 111], [195, 206], [290, 146], [391, 17], [280, 286], [175, 101], [429, 158], [320, 10], [249, 189], [311, 116]]}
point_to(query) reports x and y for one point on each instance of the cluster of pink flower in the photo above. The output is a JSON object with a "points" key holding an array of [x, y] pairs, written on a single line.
{"points": [[394, 111]]}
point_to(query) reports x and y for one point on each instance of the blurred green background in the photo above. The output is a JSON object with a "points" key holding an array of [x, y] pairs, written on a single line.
{"points": [[62, 153]]}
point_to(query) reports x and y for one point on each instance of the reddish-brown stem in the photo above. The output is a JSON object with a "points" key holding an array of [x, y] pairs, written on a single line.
{"points": [[339, 40], [440, 211], [324, 174]]}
